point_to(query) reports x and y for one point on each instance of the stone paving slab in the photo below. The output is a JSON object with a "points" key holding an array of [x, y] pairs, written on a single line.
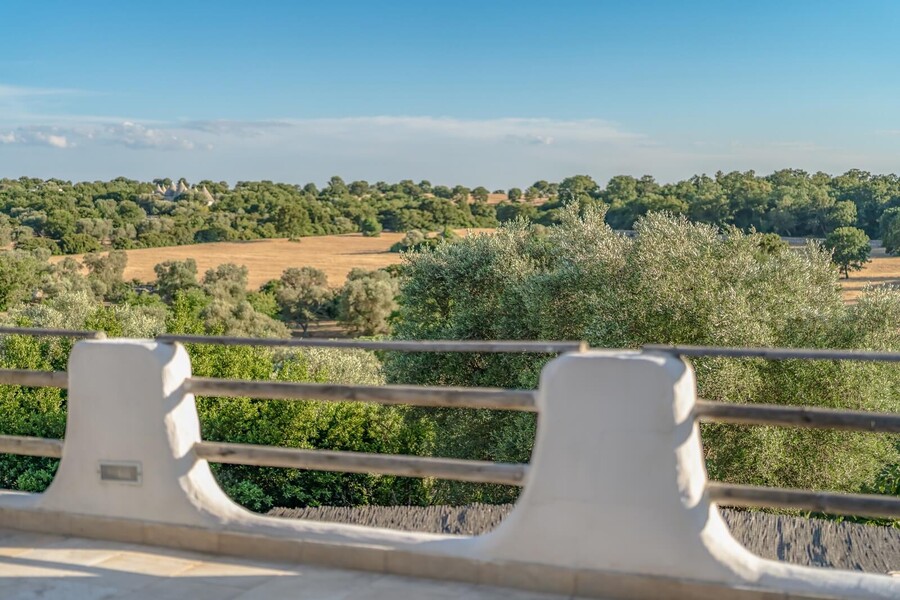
{"points": [[48, 567]]}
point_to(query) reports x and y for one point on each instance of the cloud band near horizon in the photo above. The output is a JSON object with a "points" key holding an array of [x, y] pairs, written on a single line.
{"points": [[501, 152]]}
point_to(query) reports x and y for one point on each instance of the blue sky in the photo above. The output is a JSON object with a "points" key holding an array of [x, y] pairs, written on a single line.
{"points": [[481, 93]]}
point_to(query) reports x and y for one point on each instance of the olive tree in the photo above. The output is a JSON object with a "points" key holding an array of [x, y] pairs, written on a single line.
{"points": [[367, 300], [20, 275], [304, 296], [105, 273], [675, 282], [850, 249], [173, 276], [227, 282]]}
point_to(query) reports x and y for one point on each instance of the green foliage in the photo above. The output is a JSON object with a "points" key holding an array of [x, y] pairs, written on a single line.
{"points": [[20, 274], [367, 301], [415, 240], [37, 244], [38, 412], [890, 230], [105, 273], [842, 214], [676, 282], [511, 212], [227, 282], [41, 412], [412, 240], [83, 217], [303, 424], [771, 243], [370, 227], [264, 303], [888, 481], [173, 276], [304, 296], [849, 248], [64, 217], [79, 243], [220, 306], [293, 221]]}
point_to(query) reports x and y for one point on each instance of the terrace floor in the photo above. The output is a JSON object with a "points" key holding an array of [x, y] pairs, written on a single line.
{"points": [[52, 567]]}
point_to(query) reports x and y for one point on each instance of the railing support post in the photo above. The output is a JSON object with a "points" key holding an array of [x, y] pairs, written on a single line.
{"points": [[130, 434], [617, 485], [617, 475]]}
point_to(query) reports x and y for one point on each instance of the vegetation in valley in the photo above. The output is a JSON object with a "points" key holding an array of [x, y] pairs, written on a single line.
{"points": [[557, 269]]}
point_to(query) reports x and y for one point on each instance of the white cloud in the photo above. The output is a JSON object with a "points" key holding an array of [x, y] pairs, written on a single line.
{"points": [[293, 134], [517, 130], [57, 141], [128, 134], [138, 136], [16, 91], [443, 149], [240, 128], [490, 152], [35, 137]]}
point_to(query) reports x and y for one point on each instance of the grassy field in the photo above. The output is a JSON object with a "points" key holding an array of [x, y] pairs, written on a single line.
{"points": [[336, 255], [882, 270]]}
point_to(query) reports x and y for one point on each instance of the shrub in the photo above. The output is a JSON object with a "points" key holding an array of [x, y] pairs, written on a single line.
{"points": [[370, 227], [367, 301]]}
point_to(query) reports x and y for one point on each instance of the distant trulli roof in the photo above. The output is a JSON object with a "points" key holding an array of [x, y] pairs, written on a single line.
{"points": [[174, 191], [207, 196]]}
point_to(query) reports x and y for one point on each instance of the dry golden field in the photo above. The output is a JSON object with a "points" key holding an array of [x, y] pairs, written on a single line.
{"points": [[336, 255], [882, 270]]}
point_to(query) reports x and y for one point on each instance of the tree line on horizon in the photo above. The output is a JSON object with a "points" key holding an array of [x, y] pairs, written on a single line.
{"points": [[73, 218]]}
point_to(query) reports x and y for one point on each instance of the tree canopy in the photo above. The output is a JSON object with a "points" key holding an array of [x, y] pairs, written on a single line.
{"points": [[849, 248], [65, 217], [676, 282]]}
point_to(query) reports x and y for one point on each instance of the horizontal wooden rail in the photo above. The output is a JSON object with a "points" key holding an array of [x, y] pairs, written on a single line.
{"points": [[57, 379], [487, 346], [41, 332], [358, 462], [861, 505], [455, 397], [796, 416], [776, 353], [31, 446]]}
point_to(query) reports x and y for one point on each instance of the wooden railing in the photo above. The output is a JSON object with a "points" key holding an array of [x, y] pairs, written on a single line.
{"points": [[359, 462], [352, 462], [31, 446], [451, 397], [488, 398], [355, 462], [34, 446], [863, 505]]}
